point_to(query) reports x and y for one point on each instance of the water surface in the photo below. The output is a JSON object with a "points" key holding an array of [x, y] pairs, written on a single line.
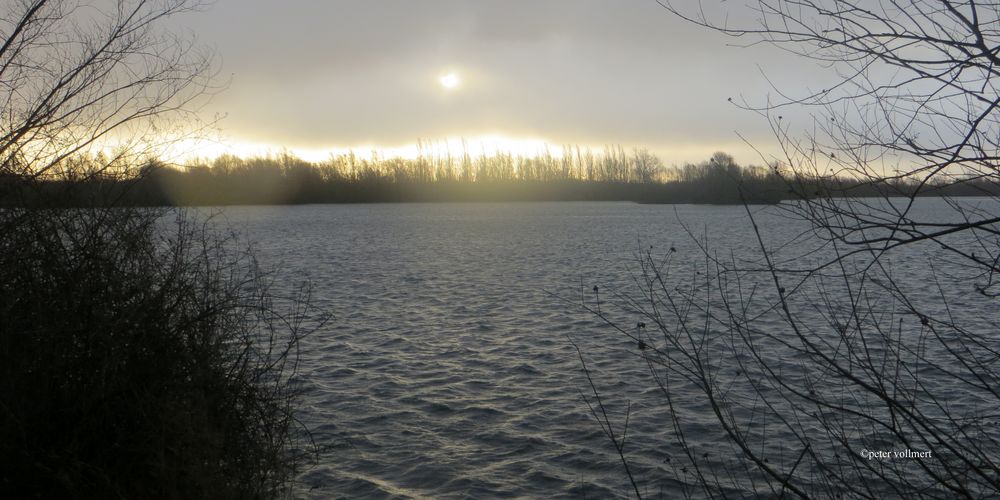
{"points": [[448, 368]]}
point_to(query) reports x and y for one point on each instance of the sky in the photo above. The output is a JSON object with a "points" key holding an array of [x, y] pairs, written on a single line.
{"points": [[320, 76]]}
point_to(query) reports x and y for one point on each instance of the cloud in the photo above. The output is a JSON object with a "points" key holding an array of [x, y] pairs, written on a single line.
{"points": [[312, 73]]}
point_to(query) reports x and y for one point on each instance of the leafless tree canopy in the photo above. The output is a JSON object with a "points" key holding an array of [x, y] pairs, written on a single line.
{"points": [[914, 98], [79, 77], [857, 325], [915, 79]]}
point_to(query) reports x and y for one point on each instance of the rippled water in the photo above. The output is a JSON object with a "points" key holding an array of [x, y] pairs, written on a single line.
{"points": [[448, 368]]}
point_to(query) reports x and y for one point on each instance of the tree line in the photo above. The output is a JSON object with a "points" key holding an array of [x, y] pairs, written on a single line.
{"points": [[577, 175]]}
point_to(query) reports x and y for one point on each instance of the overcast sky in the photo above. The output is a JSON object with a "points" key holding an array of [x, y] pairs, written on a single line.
{"points": [[314, 75]]}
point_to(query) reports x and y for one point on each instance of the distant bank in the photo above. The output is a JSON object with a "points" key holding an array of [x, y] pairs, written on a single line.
{"points": [[614, 175]]}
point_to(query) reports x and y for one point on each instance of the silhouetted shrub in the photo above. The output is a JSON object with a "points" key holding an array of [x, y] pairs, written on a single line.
{"points": [[140, 357]]}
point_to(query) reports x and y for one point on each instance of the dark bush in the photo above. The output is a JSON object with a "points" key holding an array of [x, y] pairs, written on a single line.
{"points": [[140, 357]]}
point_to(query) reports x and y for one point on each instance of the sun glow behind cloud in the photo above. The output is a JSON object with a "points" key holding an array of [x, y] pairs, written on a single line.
{"points": [[450, 81], [455, 147], [188, 150]]}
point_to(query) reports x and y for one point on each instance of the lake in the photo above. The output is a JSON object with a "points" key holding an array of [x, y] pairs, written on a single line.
{"points": [[448, 368]]}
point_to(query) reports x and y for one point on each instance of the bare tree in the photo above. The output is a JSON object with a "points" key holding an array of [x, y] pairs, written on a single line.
{"points": [[140, 356], [914, 98], [104, 76], [854, 352]]}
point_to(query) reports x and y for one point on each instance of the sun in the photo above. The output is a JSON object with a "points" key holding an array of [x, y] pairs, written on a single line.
{"points": [[450, 81]]}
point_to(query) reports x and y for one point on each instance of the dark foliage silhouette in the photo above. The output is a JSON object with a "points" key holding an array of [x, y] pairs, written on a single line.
{"points": [[141, 354], [141, 357]]}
